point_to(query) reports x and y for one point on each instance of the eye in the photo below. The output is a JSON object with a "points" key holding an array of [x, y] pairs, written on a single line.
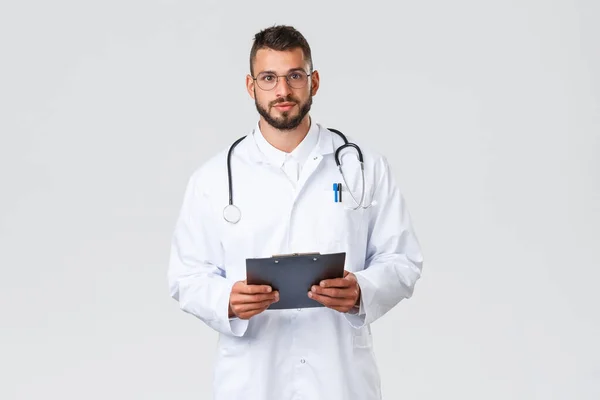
{"points": [[295, 76], [267, 77]]}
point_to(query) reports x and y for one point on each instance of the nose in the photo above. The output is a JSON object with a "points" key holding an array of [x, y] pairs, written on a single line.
{"points": [[282, 89]]}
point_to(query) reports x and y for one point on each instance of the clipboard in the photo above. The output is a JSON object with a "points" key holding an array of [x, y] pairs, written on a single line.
{"points": [[293, 275]]}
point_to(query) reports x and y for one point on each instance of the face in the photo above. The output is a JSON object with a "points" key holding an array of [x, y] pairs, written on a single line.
{"points": [[283, 105]]}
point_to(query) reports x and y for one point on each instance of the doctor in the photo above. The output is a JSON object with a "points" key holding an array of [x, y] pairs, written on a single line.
{"points": [[281, 179]]}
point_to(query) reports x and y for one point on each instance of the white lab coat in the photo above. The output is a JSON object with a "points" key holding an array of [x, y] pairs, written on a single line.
{"points": [[313, 353]]}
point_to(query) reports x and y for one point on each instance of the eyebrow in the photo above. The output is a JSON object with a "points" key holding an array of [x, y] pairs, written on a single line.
{"points": [[289, 70]]}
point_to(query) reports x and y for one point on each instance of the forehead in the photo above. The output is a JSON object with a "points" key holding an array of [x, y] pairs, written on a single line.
{"points": [[278, 61]]}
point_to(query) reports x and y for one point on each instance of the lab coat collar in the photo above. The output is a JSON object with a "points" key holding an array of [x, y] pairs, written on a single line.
{"points": [[324, 144], [300, 153]]}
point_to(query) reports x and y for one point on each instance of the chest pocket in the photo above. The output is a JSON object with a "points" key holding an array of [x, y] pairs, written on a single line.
{"points": [[339, 226]]}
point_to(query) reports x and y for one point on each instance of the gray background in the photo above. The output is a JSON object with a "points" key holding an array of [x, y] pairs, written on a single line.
{"points": [[487, 110]]}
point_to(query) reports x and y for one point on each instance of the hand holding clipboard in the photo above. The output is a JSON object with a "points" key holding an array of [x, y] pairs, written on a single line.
{"points": [[246, 301], [293, 275]]}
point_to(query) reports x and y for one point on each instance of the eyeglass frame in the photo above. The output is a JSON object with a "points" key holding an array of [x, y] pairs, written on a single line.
{"points": [[308, 75]]}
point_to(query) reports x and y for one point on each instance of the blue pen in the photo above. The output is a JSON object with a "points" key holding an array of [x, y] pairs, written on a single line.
{"points": [[335, 191]]}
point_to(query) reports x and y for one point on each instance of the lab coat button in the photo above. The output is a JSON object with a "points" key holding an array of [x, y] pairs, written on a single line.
{"points": [[302, 360]]}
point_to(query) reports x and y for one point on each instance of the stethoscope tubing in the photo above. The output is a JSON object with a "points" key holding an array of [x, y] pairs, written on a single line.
{"points": [[231, 208]]}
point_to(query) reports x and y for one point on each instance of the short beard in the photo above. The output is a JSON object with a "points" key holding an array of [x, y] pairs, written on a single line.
{"points": [[285, 123]]}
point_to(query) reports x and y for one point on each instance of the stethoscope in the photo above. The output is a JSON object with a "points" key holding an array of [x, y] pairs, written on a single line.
{"points": [[231, 212]]}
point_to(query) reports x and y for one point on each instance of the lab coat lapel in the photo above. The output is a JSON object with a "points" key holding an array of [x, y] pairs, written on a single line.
{"points": [[323, 148]]}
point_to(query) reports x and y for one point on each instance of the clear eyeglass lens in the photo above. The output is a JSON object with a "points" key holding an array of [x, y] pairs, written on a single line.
{"points": [[296, 80]]}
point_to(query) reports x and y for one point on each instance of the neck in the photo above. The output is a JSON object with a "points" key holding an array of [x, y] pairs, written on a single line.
{"points": [[285, 140]]}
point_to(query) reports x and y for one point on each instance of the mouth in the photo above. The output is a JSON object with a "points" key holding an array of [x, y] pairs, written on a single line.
{"points": [[284, 106]]}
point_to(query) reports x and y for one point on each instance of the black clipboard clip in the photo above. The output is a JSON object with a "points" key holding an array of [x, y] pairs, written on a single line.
{"points": [[295, 255]]}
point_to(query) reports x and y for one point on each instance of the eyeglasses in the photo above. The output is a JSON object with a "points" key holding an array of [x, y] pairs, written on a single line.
{"points": [[295, 79]]}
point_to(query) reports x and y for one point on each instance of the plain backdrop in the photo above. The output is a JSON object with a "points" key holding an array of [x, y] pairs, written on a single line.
{"points": [[489, 112]]}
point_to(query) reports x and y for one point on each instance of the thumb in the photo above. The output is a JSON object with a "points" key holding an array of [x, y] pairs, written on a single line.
{"points": [[350, 276]]}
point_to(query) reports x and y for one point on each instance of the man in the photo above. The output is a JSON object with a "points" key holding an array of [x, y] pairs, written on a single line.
{"points": [[282, 176]]}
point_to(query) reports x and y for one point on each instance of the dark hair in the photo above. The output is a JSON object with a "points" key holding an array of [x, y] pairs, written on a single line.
{"points": [[280, 38]]}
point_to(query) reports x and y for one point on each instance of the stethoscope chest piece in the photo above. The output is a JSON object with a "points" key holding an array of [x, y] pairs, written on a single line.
{"points": [[232, 214]]}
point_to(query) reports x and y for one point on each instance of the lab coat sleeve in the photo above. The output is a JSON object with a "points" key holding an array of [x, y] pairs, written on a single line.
{"points": [[196, 274], [393, 261]]}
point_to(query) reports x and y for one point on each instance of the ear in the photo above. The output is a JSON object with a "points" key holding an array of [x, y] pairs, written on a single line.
{"points": [[315, 81], [250, 85]]}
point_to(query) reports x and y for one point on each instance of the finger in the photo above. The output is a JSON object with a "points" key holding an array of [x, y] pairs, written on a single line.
{"points": [[240, 298], [330, 301], [249, 307], [250, 314], [341, 309], [254, 289], [246, 311], [337, 282], [346, 293]]}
